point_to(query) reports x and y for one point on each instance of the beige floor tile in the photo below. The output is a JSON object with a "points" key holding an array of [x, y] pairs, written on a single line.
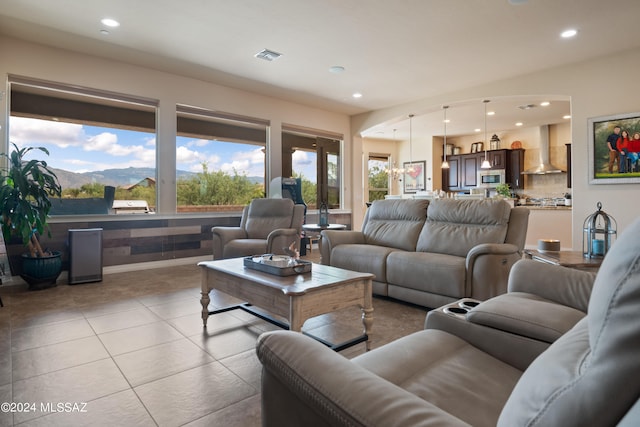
{"points": [[152, 363], [190, 395], [75, 385], [245, 413], [119, 409], [49, 358], [227, 343], [245, 365], [138, 337], [122, 320], [37, 336]]}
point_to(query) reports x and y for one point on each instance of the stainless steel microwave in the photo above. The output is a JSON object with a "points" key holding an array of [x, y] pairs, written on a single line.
{"points": [[490, 178]]}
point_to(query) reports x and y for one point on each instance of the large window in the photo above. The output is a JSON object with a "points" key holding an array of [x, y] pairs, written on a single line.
{"points": [[220, 160], [378, 165], [101, 145], [315, 157]]}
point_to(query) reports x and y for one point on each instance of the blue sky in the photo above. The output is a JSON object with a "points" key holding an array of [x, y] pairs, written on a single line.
{"points": [[81, 148]]}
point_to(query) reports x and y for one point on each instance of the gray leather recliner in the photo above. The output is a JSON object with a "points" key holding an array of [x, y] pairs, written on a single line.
{"points": [[267, 226], [590, 375]]}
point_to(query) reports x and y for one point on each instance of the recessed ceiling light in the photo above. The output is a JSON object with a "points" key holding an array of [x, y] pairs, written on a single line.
{"points": [[567, 34], [336, 69], [357, 95], [477, 130], [519, 124], [110, 22], [447, 121], [566, 116], [491, 113], [545, 103]]}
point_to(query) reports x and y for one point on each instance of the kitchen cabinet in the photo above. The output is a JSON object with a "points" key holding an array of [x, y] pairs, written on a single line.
{"points": [[515, 168], [451, 176], [463, 168], [497, 159], [469, 170]]}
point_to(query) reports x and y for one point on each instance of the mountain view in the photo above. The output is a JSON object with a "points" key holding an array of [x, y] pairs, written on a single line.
{"points": [[118, 177]]}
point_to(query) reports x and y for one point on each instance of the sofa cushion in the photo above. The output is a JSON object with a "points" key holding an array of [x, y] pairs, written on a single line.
{"points": [[445, 371], [357, 257], [455, 226], [395, 223], [428, 272], [589, 375]]}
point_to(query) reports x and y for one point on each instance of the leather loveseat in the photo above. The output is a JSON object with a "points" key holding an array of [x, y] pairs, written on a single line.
{"points": [[438, 377], [434, 252]]}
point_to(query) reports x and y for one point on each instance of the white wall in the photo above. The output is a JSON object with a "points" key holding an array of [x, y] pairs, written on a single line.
{"points": [[40, 62], [595, 87]]}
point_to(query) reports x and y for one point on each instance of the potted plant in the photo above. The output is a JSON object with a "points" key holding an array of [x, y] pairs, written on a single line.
{"points": [[25, 187], [503, 190]]}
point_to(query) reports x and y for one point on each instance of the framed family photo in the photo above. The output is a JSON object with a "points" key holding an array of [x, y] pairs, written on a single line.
{"points": [[620, 165], [415, 176]]}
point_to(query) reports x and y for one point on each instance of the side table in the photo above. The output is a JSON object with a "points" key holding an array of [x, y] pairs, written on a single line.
{"points": [[316, 229], [570, 259]]}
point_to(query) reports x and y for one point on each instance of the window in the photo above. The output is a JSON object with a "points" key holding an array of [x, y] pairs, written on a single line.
{"points": [[220, 160], [378, 165], [101, 144], [314, 156]]}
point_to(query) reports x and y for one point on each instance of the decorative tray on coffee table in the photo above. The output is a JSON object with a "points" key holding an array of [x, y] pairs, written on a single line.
{"points": [[279, 265]]}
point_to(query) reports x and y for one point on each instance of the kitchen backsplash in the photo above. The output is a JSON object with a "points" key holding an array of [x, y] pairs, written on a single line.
{"points": [[540, 186]]}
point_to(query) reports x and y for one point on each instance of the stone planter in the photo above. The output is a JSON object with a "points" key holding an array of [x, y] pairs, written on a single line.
{"points": [[43, 272]]}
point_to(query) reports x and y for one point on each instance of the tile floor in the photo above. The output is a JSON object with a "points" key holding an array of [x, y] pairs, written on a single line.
{"points": [[131, 351]]}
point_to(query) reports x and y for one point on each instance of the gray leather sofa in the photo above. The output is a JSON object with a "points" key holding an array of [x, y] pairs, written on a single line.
{"points": [[589, 376], [433, 253]]}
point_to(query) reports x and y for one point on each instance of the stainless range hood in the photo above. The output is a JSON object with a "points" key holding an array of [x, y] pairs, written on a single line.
{"points": [[544, 166]]}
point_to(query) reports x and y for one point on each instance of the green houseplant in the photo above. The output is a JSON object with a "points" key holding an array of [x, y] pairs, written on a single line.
{"points": [[25, 187], [503, 190]]}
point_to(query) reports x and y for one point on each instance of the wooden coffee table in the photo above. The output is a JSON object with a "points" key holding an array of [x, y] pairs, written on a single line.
{"points": [[296, 298]]}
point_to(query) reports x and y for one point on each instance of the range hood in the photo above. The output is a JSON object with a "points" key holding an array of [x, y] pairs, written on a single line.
{"points": [[544, 165]]}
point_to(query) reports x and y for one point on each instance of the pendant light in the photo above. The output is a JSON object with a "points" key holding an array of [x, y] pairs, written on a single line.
{"points": [[485, 163], [445, 164]]}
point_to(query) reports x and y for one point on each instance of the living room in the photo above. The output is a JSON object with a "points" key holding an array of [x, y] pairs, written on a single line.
{"points": [[594, 87]]}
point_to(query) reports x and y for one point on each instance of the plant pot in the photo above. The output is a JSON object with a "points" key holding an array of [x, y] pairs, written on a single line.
{"points": [[43, 272]]}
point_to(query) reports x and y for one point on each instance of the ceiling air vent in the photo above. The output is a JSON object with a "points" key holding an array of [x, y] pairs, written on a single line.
{"points": [[526, 106], [268, 55]]}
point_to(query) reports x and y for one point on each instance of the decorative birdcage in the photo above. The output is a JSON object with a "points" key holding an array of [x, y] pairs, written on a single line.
{"points": [[599, 233]]}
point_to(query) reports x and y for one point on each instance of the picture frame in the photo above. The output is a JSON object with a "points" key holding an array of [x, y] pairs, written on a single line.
{"points": [[599, 130], [415, 176]]}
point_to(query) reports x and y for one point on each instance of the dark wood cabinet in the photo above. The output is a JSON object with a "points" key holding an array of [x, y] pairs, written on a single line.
{"points": [[469, 171], [451, 176], [514, 170], [463, 169], [497, 159]]}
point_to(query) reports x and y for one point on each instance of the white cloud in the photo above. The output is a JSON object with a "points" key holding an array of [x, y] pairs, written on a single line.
{"points": [[26, 130]]}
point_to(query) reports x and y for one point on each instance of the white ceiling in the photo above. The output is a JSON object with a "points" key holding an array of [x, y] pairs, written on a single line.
{"points": [[393, 51]]}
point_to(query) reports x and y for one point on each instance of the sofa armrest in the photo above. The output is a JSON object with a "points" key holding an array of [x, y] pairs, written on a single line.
{"points": [[333, 238], [223, 235], [306, 383], [488, 266], [282, 238], [563, 285]]}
